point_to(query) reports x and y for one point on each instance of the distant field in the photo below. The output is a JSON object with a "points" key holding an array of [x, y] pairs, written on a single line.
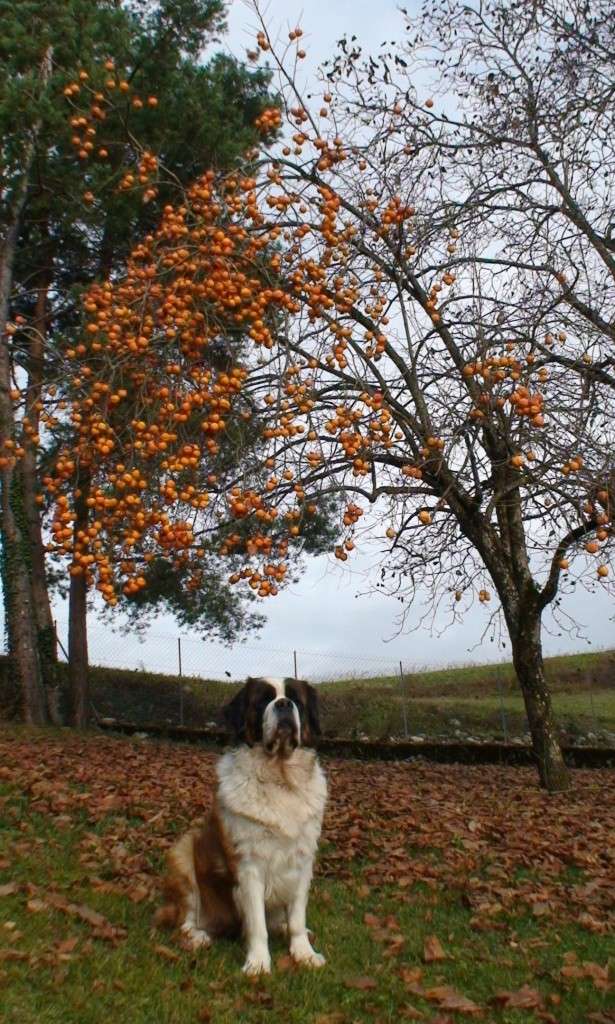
{"points": [[477, 700], [481, 700]]}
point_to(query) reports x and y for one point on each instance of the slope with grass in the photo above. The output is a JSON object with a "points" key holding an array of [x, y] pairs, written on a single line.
{"points": [[477, 700]]}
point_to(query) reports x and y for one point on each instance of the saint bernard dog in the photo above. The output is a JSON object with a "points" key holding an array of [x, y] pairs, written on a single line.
{"points": [[248, 869]]}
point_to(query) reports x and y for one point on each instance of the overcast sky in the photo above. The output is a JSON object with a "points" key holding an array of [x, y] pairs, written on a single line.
{"points": [[322, 613]]}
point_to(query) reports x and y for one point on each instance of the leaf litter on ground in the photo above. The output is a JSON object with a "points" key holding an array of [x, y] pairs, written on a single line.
{"points": [[491, 838]]}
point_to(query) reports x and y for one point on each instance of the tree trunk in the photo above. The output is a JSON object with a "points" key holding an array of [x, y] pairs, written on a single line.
{"points": [[46, 641], [77, 623], [19, 614], [18, 610], [529, 666], [509, 565], [45, 629], [16, 561]]}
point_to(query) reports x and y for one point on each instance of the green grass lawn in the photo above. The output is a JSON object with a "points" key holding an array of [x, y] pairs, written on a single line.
{"points": [[512, 883]]}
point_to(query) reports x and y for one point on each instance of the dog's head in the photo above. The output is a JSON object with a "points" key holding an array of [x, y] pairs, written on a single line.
{"points": [[280, 714]]}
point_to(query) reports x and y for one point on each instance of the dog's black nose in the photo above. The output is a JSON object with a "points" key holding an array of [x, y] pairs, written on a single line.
{"points": [[283, 703]]}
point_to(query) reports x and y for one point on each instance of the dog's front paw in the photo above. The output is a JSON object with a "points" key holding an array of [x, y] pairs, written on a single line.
{"points": [[195, 938], [302, 953], [257, 963], [314, 959]]}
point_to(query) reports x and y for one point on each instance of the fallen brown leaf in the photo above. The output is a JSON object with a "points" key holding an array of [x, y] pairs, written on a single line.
{"points": [[411, 975], [285, 962], [259, 996], [35, 906], [363, 983], [448, 998], [432, 950], [525, 998], [9, 888], [599, 975], [164, 951], [409, 1012], [67, 945], [13, 954], [101, 925], [540, 909], [138, 894]]}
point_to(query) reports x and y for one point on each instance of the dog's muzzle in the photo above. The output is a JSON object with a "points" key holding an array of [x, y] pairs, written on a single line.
{"points": [[285, 736]]}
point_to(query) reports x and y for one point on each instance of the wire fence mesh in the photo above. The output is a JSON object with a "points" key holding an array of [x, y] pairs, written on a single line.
{"points": [[370, 696], [189, 656]]}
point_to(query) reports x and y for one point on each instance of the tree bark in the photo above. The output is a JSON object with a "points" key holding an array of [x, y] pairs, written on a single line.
{"points": [[22, 646], [505, 556], [78, 665], [45, 629], [16, 562], [529, 666]]}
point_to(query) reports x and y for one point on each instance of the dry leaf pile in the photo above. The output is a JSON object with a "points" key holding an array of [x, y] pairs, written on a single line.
{"points": [[483, 826]]}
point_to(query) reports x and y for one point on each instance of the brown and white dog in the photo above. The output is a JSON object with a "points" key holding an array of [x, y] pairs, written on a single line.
{"points": [[248, 869]]}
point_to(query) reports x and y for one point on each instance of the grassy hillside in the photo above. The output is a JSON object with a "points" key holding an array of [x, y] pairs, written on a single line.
{"points": [[477, 700], [480, 700]]}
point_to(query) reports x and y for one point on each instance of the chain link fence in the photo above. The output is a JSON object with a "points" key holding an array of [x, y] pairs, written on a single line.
{"points": [[183, 680]]}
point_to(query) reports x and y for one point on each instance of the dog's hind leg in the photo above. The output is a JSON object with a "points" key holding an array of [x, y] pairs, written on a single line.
{"points": [[184, 908], [192, 929]]}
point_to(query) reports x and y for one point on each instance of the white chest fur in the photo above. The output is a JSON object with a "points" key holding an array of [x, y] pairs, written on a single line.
{"points": [[272, 813]]}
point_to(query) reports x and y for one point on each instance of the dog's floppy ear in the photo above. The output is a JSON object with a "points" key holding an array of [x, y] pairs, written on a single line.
{"points": [[312, 709], [234, 714]]}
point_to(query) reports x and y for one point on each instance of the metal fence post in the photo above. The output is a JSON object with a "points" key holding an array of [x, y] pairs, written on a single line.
{"points": [[502, 708], [593, 706], [295, 663], [181, 685], [403, 700]]}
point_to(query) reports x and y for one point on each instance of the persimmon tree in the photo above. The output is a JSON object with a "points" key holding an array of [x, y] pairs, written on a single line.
{"points": [[145, 491], [387, 362], [106, 110], [451, 393]]}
